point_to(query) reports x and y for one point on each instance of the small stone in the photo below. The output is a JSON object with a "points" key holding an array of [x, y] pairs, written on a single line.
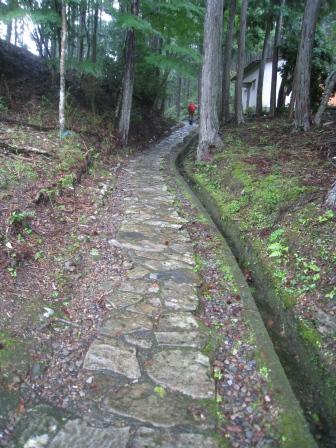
{"points": [[35, 371], [155, 301]]}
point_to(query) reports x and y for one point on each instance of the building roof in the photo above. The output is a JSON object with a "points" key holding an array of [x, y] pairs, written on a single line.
{"points": [[253, 65]]}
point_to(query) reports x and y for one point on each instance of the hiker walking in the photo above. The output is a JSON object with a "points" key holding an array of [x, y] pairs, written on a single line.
{"points": [[191, 109]]}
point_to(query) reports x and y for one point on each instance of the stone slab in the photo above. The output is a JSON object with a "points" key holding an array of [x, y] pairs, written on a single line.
{"points": [[140, 402], [177, 321], [77, 434], [179, 296], [139, 341], [136, 286], [121, 300], [167, 263], [191, 339], [123, 323], [178, 276], [152, 438], [184, 371], [115, 358], [142, 245], [147, 308]]}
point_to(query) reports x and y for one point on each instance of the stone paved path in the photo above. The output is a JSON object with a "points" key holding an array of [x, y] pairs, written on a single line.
{"points": [[149, 349]]}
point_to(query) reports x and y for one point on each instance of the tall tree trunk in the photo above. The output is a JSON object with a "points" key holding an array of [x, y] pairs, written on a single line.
{"points": [[178, 97], [329, 88], [199, 80], [220, 72], [227, 62], [209, 123], [241, 63], [259, 107], [275, 59], [62, 72], [82, 21], [128, 80], [302, 112], [15, 32], [9, 31], [94, 33]]}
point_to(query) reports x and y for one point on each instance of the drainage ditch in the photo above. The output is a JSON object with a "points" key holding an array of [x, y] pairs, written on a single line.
{"points": [[312, 384]]}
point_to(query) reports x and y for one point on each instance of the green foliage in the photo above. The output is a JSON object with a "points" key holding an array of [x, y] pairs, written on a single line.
{"points": [[160, 391], [327, 216], [217, 374], [67, 181], [18, 217], [3, 105], [139, 24]]}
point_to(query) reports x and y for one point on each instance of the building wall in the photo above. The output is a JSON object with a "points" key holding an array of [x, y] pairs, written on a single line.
{"points": [[253, 78]]}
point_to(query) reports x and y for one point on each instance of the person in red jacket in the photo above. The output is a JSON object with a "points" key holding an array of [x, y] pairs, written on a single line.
{"points": [[191, 109]]}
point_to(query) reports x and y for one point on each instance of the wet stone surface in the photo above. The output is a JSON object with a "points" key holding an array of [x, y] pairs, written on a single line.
{"points": [[78, 434], [148, 349], [185, 371], [114, 357], [151, 438]]}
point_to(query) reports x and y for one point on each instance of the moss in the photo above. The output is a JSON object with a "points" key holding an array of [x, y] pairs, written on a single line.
{"points": [[309, 334], [211, 347], [12, 353], [290, 299]]}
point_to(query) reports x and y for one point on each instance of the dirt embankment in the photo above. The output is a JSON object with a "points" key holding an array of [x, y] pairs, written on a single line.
{"points": [[269, 185]]}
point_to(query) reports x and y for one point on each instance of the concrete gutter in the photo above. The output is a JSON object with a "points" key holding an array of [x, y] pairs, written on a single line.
{"points": [[294, 428]]}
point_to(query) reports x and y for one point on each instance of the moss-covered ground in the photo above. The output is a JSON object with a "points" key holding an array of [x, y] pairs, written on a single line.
{"points": [[270, 185]]}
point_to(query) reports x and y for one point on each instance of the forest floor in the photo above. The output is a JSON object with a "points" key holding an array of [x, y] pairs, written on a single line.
{"points": [[69, 264]]}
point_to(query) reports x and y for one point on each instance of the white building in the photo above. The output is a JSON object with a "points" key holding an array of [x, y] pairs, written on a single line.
{"points": [[250, 83]]}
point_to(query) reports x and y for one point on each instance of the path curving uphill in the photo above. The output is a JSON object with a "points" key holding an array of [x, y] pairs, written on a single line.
{"points": [[149, 382], [153, 377]]}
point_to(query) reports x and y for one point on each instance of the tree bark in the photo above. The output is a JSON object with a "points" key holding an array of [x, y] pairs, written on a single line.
{"points": [[82, 21], [241, 63], [15, 32], [275, 59], [329, 88], [9, 31], [94, 33], [178, 97], [227, 62], [331, 197], [209, 123], [259, 106], [62, 72], [128, 80], [302, 111]]}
